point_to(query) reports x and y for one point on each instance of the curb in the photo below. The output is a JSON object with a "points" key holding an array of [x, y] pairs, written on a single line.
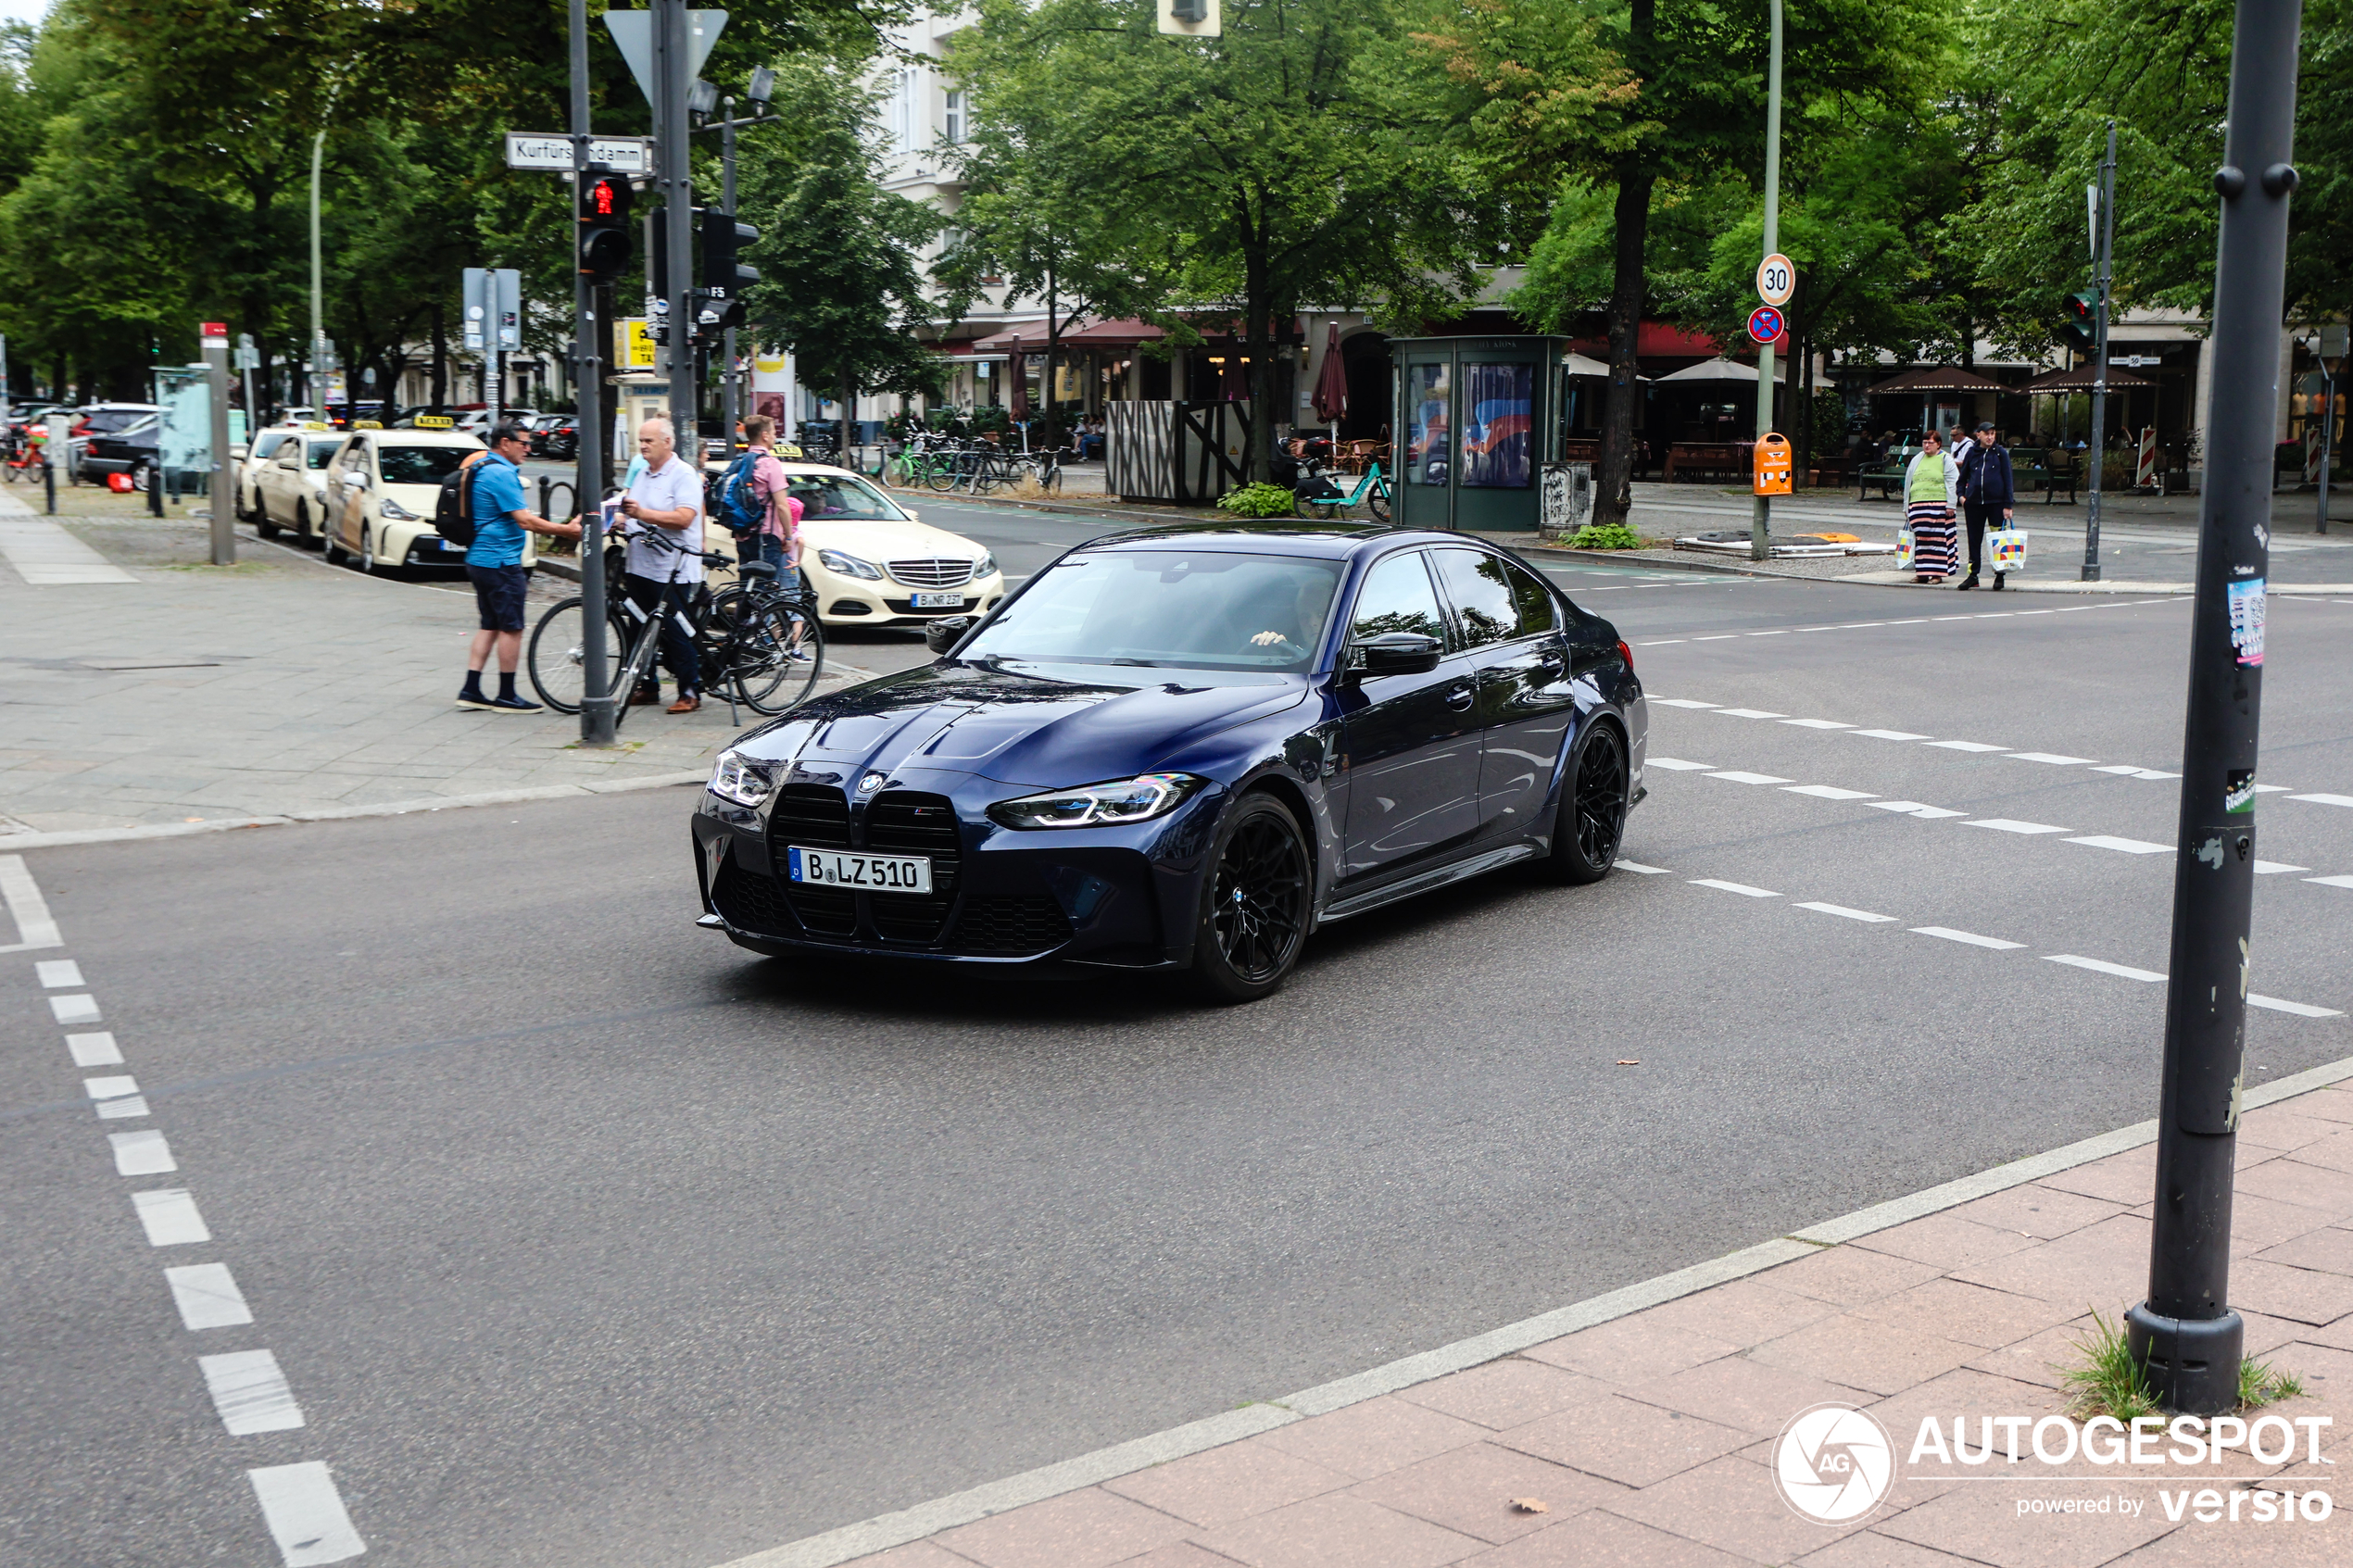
{"points": [[885, 1531], [12, 842]]}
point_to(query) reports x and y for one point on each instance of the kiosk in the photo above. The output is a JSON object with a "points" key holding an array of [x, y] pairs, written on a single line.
{"points": [[1477, 421]]}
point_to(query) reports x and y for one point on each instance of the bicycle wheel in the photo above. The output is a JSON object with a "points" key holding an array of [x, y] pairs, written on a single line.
{"points": [[941, 474], [638, 667], [768, 638], [1377, 499], [1050, 479], [557, 660]]}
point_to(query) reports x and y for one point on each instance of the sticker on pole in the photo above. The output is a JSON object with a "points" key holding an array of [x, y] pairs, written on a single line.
{"points": [[1764, 324], [1776, 279], [2246, 619]]}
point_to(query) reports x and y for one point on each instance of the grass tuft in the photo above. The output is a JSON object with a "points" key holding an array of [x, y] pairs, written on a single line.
{"points": [[2108, 1381], [2260, 1383]]}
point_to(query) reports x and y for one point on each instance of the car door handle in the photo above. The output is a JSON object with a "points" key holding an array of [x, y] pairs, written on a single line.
{"points": [[1459, 695]]}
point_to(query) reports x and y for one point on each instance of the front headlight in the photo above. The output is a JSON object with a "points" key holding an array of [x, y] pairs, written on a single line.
{"points": [[849, 566], [1127, 800], [986, 567], [746, 781], [395, 512]]}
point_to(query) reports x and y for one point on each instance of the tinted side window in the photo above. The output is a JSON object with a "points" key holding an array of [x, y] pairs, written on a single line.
{"points": [[1481, 594], [1397, 598], [1537, 612]]}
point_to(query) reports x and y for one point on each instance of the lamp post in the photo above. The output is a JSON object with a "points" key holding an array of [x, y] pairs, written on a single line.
{"points": [[2104, 276], [1760, 528], [2184, 1334]]}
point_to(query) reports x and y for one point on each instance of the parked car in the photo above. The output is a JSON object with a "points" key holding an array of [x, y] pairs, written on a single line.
{"points": [[291, 489], [556, 437], [385, 485], [872, 562], [102, 419], [1187, 748], [129, 450], [258, 455]]}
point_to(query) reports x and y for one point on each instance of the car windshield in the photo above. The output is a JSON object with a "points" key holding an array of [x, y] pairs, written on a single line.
{"points": [[1196, 610], [265, 444], [320, 451], [419, 465], [841, 495], [105, 421]]}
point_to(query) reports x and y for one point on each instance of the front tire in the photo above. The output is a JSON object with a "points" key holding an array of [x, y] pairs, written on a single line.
{"points": [[368, 564], [1256, 903], [1592, 822]]}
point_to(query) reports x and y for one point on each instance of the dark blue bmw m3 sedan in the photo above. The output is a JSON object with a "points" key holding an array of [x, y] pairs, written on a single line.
{"points": [[1187, 748]]}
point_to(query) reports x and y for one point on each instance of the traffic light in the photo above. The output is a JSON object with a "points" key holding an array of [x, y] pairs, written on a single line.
{"points": [[604, 226], [723, 276], [2081, 326]]}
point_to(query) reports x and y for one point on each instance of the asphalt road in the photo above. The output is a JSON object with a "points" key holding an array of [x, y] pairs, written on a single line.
{"points": [[584, 1238]]}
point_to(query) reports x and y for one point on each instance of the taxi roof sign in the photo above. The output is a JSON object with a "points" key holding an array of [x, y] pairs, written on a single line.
{"points": [[434, 421]]}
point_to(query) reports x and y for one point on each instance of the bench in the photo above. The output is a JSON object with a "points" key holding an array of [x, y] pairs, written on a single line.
{"points": [[1713, 458]]}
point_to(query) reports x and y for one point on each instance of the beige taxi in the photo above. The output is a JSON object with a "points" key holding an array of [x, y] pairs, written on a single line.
{"points": [[290, 488], [872, 562], [385, 484]]}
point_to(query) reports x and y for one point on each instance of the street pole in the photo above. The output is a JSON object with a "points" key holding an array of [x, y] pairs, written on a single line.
{"points": [[1760, 528], [588, 380], [2184, 1334], [2328, 428], [224, 518], [672, 58], [2097, 457], [730, 397], [317, 287]]}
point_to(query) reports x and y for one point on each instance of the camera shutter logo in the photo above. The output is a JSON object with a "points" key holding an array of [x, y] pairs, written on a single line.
{"points": [[1834, 1463]]}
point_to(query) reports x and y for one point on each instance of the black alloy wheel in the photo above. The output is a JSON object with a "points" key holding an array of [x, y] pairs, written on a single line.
{"points": [[1592, 810], [1254, 910]]}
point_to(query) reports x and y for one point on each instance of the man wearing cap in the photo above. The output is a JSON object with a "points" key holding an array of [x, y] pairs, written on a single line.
{"points": [[1986, 488]]}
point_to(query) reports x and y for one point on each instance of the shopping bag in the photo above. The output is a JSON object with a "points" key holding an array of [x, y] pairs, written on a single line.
{"points": [[2005, 549], [1902, 549]]}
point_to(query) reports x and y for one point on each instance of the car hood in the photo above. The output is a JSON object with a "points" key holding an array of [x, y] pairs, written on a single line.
{"points": [[1043, 727], [876, 541]]}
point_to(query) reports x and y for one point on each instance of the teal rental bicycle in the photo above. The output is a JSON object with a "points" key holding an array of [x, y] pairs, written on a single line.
{"points": [[1371, 492]]}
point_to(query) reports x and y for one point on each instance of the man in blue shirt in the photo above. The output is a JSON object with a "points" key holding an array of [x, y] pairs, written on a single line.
{"points": [[493, 490]]}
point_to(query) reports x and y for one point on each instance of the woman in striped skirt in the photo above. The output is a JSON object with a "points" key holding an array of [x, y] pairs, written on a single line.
{"points": [[1931, 509]]}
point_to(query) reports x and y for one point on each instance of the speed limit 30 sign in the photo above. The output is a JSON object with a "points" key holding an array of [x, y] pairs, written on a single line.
{"points": [[1776, 279]]}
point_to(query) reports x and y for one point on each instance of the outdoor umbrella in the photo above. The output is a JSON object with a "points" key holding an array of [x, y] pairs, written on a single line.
{"points": [[1720, 370], [1332, 383], [1945, 378], [1581, 365], [1017, 369], [2081, 379]]}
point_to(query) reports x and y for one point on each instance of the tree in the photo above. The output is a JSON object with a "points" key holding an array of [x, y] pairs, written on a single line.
{"points": [[1259, 171], [1629, 94], [841, 282]]}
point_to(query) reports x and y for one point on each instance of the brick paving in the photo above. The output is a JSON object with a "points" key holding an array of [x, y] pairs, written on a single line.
{"points": [[277, 686], [1649, 1439]]}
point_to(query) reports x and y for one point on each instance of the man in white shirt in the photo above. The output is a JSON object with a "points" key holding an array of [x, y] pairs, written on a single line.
{"points": [[667, 497]]}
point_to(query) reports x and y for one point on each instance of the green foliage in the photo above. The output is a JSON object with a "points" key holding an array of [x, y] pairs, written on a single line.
{"points": [[2262, 1383], [1257, 500], [2106, 1380], [1605, 536]]}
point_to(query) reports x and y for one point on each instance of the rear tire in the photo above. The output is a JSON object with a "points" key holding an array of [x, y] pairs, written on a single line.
{"points": [[1592, 822], [1377, 503], [329, 551], [1254, 903]]}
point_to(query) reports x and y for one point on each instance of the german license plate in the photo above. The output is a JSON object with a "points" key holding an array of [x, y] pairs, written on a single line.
{"points": [[877, 873], [451, 544], [939, 601]]}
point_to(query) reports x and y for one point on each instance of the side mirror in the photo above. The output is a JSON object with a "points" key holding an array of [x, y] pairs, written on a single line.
{"points": [[1397, 653], [942, 635]]}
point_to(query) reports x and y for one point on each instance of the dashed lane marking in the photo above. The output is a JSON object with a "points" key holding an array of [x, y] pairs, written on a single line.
{"points": [[2332, 881], [1844, 913], [1914, 808], [208, 1296], [1677, 765], [35, 930], [2301, 1010], [2006, 824], [1965, 745], [171, 1217], [82, 1008], [1887, 734], [2323, 799], [1947, 933], [2125, 845], [57, 973], [1640, 869], [1736, 776], [96, 1049], [142, 1153], [2053, 757], [250, 1392], [305, 1514], [1817, 723], [1747, 714], [1826, 791], [2122, 972], [1740, 887]]}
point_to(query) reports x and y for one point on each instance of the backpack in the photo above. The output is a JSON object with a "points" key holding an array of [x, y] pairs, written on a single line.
{"points": [[453, 512], [736, 506]]}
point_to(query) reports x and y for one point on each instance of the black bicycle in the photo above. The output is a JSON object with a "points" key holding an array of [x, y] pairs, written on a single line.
{"points": [[758, 642]]}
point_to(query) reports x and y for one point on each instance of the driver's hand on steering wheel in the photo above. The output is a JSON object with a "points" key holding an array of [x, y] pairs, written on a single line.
{"points": [[1268, 639]]}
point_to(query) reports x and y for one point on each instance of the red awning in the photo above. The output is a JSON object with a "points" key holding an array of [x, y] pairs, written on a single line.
{"points": [[1654, 340]]}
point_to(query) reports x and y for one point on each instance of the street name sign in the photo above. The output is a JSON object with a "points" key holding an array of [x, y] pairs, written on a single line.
{"points": [[623, 154], [1764, 323], [1776, 279]]}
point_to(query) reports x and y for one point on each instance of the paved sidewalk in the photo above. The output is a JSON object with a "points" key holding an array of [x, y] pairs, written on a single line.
{"points": [[1651, 1438], [174, 691]]}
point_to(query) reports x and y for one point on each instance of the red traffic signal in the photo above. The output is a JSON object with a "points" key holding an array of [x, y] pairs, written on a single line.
{"points": [[603, 249]]}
